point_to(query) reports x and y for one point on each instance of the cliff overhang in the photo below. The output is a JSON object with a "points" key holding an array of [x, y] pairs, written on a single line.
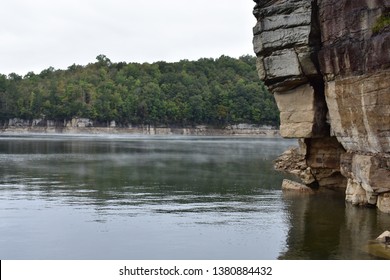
{"points": [[328, 65]]}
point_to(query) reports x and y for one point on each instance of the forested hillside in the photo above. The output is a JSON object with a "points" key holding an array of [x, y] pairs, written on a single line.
{"points": [[208, 91]]}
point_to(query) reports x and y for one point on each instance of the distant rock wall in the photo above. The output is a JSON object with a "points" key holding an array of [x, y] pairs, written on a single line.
{"points": [[330, 75], [87, 126]]}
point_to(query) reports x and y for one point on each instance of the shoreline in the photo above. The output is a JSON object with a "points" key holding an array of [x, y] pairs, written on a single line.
{"points": [[146, 130]]}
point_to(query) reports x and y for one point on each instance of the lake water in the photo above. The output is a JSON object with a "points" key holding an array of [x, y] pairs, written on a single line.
{"points": [[138, 197]]}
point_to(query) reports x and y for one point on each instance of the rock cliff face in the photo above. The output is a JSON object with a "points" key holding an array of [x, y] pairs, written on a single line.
{"points": [[327, 63]]}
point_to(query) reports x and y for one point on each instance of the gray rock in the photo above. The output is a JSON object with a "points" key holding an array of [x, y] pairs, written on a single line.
{"points": [[384, 237], [289, 185], [281, 38], [281, 64]]}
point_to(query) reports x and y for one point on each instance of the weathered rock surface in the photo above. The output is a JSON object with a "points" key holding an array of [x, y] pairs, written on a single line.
{"points": [[323, 157], [355, 193], [297, 111], [293, 161], [286, 41], [330, 75], [359, 111], [316, 162], [87, 126], [380, 246], [384, 202], [384, 237], [356, 66], [289, 185]]}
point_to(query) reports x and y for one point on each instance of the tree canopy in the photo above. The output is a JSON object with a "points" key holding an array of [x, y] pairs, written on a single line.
{"points": [[207, 91]]}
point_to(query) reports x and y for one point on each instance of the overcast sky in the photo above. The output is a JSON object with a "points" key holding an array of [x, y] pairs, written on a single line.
{"points": [[37, 34]]}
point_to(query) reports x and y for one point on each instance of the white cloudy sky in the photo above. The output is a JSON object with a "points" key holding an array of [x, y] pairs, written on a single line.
{"points": [[37, 34]]}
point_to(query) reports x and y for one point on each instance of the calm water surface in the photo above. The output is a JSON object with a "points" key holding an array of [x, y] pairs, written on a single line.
{"points": [[83, 197]]}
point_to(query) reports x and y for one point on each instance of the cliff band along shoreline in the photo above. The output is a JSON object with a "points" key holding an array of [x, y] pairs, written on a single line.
{"points": [[327, 62], [87, 126]]}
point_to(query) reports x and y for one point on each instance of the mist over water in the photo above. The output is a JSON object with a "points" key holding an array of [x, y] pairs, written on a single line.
{"points": [[137, 197]]}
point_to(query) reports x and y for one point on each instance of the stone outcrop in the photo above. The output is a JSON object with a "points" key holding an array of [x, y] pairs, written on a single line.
{"points": [[328, 66], [293, 161], [380, 246], [384, 237], [87, 126], [289, 185]]}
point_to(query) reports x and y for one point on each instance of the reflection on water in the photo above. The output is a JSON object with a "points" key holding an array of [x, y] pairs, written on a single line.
{"points": [[325, 227], [79, 197]]}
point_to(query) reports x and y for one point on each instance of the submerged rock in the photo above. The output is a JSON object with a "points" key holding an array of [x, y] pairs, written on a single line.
{"points": [[384, 237], [380, 247]]}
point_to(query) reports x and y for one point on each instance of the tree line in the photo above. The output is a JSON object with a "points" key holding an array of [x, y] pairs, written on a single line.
{"points": [[208, 91]]}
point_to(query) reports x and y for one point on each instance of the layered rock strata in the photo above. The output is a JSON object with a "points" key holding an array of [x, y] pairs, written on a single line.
{"points": [[328, 67]]}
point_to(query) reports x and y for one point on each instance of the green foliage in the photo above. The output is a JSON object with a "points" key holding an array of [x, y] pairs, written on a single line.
{"points": [[207, 91], [382, 22]]}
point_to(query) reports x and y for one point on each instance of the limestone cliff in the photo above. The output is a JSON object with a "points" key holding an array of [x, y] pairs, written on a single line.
{"points": [[327, 63]]}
